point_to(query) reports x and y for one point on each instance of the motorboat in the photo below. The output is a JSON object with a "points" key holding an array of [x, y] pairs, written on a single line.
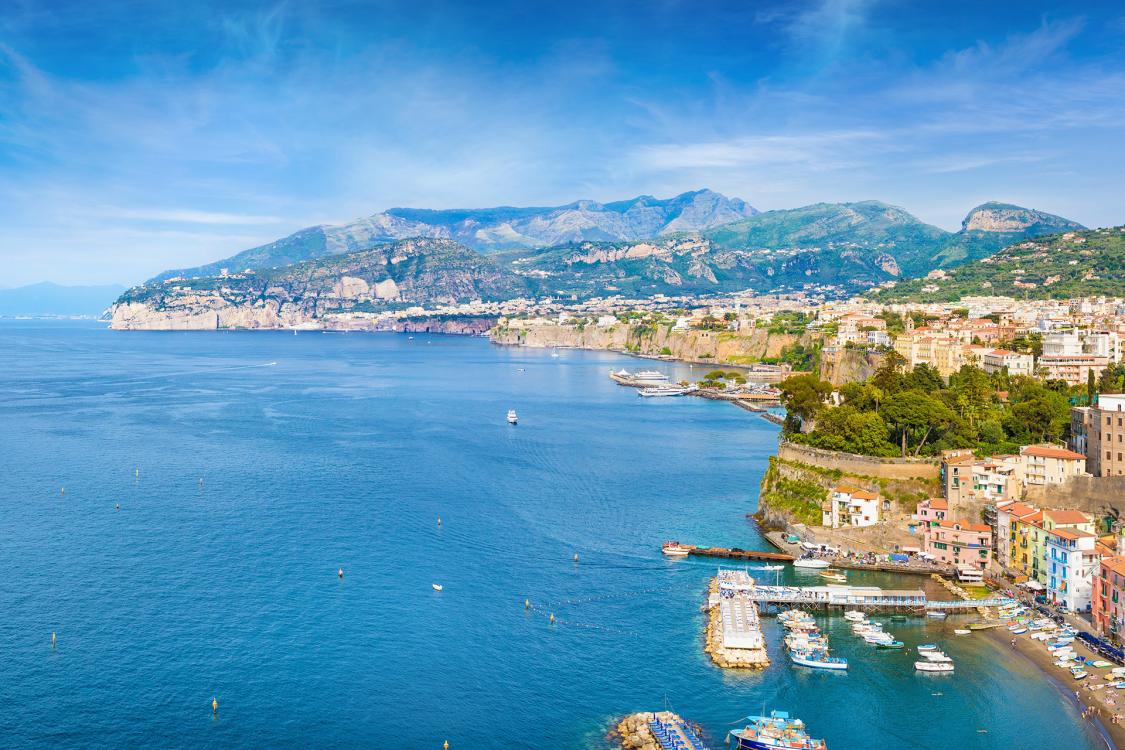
{"points": [[815, 661], [962, 631], [937, 656], [933, 666], [437, 586], [512, 418], [675, 549], [890, 644], [810, 562], [854, 615], [927, 647], [659, 391], [834, 575], [778, 731], [937, 614]]}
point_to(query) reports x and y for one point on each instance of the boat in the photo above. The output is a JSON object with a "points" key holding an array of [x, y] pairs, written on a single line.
{"points": [[898, 618], [927, 647], [650, 376], [810, 562], [512, 418], [1079, 673], [675, 549], [936, 614], [936, 656], [774, 732], [1018, 631], [983, 625], [854, 615], [815, 661], [962, 631], [661, 391], [437, 586], [833, 575], [933, 666], [890, 644], [768, 567], [1100, 664]]}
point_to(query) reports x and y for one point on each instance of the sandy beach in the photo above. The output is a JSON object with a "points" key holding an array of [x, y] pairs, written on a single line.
{"points": [[1086, 694]]}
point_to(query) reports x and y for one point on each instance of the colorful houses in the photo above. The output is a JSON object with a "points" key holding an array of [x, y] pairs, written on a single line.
{"points": [[1108, 605], [1071, 558], [962, 544]]}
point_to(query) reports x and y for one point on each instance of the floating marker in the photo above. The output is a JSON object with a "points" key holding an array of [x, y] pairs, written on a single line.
{"points": [[117, 506], [214, 705], [552, 617], [575, 557], [340, 573], [54, 638], [136, 472], [439, 520], [527, 604], [445, 745], [62, 490]]}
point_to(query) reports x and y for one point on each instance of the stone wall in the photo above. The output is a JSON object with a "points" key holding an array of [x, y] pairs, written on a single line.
{"points": [[1089, 494], [868, 466]]}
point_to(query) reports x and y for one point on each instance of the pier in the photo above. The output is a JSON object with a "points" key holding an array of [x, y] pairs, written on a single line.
{"points": [[737, 554], [734, 630], [866, 598]]}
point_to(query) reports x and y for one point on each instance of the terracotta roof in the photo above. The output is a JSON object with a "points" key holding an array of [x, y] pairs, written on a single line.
{"points": [[966, 526], [1116, 564], [1072, 533], [938, 503], [1066, 516], [1003, 352], [960, 459], [1021, 510], [1048, 451]]}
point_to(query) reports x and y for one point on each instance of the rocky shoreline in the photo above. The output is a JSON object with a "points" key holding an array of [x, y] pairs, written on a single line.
{"points": [[633, 733]]}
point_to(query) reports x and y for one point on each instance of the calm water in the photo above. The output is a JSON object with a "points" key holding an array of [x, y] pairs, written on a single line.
{"points": [[322, 451]]}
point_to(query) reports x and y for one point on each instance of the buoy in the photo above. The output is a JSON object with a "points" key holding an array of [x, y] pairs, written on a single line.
{"points": [[136, 472], [214, 705], [117, 506], [552, 617], [439, 520], [575, 557], [340, 573], [54, 638], [445, 745], [527, 604]]}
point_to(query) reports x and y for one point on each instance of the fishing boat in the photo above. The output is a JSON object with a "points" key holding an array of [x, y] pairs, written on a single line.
{"points": [[890, 644], [675, 549], [962, 631], [937, 656], [983, 625], [810, 562], [927, 647], [1079, 673], [933, 666], [437, 586], [817, 661], [1018, 631], [777, 731], [512, 418]]}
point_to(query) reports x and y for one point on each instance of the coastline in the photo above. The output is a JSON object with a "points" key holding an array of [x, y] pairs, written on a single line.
{"points": [[1034, 652]]}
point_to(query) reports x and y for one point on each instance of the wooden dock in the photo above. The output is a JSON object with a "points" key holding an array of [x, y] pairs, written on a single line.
{"points": [[737, 554]]}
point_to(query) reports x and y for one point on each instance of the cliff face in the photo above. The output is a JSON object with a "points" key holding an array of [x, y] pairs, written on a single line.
{"points": [[416, 271], [697, 346], [849, 365]]}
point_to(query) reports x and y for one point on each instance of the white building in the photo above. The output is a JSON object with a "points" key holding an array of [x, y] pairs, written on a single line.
{"points": [[1071, 560], [1049, 464], [850, 506], [997, 359]]}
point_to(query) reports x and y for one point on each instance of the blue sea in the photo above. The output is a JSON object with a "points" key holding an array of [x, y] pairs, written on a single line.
{"points": [[251, 466]]}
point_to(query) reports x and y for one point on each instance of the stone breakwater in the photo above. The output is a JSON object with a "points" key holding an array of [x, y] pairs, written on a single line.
{"points": [[633, 733], [721, 654]]}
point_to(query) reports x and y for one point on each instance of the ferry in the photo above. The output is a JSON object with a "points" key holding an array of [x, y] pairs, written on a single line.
{"points": [[650, 376], [773, 732], [661, 390], [810, 562], [512, 418], [675, 549]]}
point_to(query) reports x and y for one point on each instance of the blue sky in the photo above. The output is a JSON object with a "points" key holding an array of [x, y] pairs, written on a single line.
{"points": [[137, 136]]}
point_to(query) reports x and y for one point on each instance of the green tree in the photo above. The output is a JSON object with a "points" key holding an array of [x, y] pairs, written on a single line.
{"points": [[846, 428], [915, 416], [889, 375], [804, 397]]}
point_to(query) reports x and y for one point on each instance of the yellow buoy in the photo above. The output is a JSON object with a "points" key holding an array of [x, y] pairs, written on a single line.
{"points": [[445, 745], [214, 705]]}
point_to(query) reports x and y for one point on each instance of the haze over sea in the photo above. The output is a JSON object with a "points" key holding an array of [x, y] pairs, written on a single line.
{"points": [[326, 451]]}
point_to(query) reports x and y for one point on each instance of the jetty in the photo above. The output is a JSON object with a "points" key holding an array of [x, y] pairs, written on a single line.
{"points": [[734, 631], [865, 598], [658, 730], [737, 554]]}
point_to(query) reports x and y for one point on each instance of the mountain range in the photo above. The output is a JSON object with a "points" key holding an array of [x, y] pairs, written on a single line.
{"points": [[695, 243]]}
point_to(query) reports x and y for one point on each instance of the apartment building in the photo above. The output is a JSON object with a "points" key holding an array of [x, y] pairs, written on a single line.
{"points": [[1098, 432]]}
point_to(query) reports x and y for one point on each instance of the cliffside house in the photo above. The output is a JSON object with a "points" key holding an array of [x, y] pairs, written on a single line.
{"points": [[850, 506]]}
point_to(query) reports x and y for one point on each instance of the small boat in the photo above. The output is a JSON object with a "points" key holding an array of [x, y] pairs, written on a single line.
{"points": [[1018, 631], [936, 656], [769, 567], [675, 549], [1100, 664], [649, 376], [818, 662], [983, 625], [898, 618], [833, 575], [810, 562], [854, 615], [889, 644], [962, 631], [927, 647], [512, 418], [778, 731], [1079, 673], [937, 614], [933, 666], [437, 586], [554, 354]]}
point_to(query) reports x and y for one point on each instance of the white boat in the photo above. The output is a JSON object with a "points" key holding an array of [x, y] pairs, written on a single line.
{"points": [[854, 615], [933, 666], [927, 647], [937, 656], [962, 631], [675, 549], [437, 586], [808, 660], [650, 376], [936, 614], [661, 391], [768, 567], [512, 418], [810, 562]]}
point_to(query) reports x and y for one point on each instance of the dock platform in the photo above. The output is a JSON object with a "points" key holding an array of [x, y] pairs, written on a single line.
{"points": [[737, 554]]}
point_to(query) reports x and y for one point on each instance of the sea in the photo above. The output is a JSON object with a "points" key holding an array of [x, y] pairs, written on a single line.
{"points": [[177, 508]]}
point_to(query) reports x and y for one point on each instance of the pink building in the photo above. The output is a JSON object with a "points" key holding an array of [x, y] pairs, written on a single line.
{"points": [[931, 512], [959, 543]]}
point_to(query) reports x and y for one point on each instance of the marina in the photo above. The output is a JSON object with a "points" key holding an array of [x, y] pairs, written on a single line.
{"points": [[734, 630]]}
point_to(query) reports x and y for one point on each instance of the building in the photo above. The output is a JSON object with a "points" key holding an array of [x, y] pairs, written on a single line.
{"points": [[1108, 599], [850, 506], [1100, 430], [1053, 521], [1074, 369], [959, 543], [969, 480], [1071, 559], [1008, 514], [931, 512], [1049, 464], [998, 360], [1022, 552]]}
